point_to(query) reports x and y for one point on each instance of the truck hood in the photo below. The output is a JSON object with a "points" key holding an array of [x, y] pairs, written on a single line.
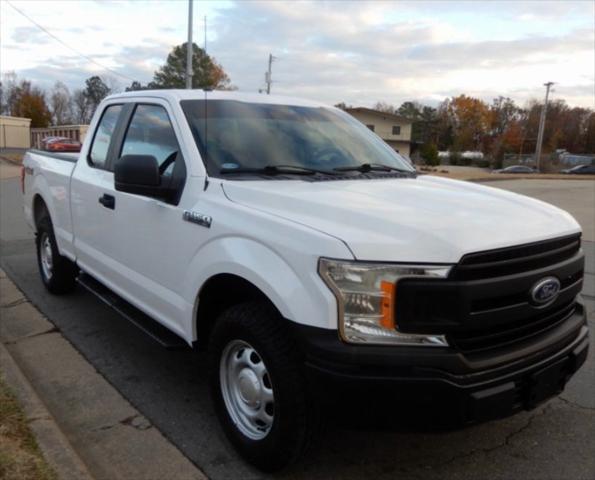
{"points": [[424, 219]]}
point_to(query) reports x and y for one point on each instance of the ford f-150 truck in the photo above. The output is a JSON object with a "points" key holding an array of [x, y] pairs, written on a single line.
{"points": [[312, 261]]}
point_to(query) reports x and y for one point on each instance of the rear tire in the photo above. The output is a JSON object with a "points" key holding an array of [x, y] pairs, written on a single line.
{"points": [[57, 273], [258, 387]]}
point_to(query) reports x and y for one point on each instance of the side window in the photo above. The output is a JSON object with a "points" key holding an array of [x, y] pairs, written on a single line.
{"points": [[150, 133], [103, 136]]}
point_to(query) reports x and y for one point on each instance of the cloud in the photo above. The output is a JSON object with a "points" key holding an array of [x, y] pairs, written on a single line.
{"points": [[30, 35], [357, 52]]}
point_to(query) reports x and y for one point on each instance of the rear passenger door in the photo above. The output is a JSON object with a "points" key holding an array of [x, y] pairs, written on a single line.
{"points": [[91, 187]]}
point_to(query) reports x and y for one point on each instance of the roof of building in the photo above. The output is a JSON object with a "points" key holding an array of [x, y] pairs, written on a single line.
{"points": [[378, 113]]}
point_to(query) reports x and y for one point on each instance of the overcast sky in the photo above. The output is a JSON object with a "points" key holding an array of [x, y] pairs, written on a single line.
{"points": [[356, 52]]}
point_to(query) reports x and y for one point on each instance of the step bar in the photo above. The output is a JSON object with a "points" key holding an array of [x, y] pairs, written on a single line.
{"points": [[162, 335]]}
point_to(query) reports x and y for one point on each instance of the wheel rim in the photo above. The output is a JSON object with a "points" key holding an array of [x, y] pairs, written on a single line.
{"points": [[45, 252], [247, 389]]}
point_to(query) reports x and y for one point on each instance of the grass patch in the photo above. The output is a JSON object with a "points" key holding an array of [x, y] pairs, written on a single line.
{"points": [[20, 457]]}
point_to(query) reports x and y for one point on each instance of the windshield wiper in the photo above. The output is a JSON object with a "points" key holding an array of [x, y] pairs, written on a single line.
{"points": [[372, 167], [277, 170]]}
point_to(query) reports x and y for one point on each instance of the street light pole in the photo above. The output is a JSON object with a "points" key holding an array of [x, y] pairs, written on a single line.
{"points": [[267, 76], [189, 49], [542, 127]]}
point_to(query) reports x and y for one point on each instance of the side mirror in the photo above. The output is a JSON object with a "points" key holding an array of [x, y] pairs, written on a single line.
{"points": [[139, 174]]}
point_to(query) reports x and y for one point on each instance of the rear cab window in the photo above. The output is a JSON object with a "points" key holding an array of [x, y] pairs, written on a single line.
{"points": [[98, 154]]}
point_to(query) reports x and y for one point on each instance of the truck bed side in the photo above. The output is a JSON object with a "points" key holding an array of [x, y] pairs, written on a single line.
{"points": [[47, 180]]}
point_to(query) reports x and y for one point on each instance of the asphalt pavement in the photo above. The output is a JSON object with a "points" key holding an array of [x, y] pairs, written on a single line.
{"points": [[555, 441]]}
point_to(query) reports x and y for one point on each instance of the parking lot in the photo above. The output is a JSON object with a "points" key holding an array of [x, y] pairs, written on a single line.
{"points": [[555, 441]]}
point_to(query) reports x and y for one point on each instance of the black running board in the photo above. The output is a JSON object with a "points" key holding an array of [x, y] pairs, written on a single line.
{"points": [[154, 329]]}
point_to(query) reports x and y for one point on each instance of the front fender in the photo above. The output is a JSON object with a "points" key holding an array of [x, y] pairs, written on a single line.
{"points": [[298, 293]]}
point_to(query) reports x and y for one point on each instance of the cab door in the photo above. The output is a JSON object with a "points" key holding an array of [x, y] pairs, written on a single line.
{"points": [[151, 244]]}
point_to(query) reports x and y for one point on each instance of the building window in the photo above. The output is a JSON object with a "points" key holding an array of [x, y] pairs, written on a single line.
{"points": [[396, 130], [371, 127]]}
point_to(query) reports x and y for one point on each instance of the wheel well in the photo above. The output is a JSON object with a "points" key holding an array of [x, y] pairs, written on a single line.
{"points": [[217, 295], [39, 207]]}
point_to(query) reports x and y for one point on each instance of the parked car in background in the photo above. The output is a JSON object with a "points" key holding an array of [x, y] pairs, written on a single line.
{"points": [[580, 170], [516, 169], [61, 144]]}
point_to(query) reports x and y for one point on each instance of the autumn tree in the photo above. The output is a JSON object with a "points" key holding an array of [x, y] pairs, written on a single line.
{"points": [[29, 102], [470, 120], [207, 73], [589, 136]]}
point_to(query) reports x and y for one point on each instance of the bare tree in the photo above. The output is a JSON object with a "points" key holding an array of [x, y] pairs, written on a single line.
{"points": [[8, 93], [61, 104], [114, 85], [81, 107]]}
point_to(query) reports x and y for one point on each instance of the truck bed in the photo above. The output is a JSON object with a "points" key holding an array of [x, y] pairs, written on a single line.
{"points": [[50, 173]]}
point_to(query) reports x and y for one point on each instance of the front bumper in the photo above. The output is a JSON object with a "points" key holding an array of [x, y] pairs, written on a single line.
{"points": [[439, 386]]}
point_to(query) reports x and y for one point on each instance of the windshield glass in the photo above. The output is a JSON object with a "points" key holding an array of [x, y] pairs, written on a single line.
{"points": [[239, 135]]}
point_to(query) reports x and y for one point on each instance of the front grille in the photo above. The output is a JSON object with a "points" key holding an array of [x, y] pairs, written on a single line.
{"points": [[485, 305], [511, 260], [478, 340]]}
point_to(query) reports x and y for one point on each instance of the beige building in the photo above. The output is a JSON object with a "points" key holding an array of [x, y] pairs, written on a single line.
{"points": [[15, 132], [393, 129]]}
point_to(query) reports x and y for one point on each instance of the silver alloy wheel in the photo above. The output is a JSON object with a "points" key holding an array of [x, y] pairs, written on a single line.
{"points": [[45, 251], [247, 390]]}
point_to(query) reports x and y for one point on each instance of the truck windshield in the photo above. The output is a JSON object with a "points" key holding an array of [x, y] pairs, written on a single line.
{"points": [[259, 138]]}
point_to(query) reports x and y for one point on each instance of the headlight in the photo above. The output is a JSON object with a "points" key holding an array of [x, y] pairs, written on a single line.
{"points": [[367, 296]]}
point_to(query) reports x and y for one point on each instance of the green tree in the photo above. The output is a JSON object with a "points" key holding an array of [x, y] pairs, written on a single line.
{"points": [[135, 86], [429, 152], [207, 73], [95, 91]]}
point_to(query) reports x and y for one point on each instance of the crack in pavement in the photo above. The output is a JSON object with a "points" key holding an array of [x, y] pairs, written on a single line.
{"points": [[505, 443], [14, 303], [53, 329], [574, 404], [135, 421]]}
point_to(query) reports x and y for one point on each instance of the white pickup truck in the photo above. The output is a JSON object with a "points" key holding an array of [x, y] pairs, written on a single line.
{"points": [[312, 261]]}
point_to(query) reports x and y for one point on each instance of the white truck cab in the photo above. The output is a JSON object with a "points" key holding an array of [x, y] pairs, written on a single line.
{"points": [[312, 261]]}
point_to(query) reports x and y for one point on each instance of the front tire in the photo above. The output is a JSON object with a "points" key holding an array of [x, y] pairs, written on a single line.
{"points": [[258, 387], [58, 274]]}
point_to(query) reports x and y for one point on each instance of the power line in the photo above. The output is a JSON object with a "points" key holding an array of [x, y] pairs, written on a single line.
{"points": [[68, 46]]}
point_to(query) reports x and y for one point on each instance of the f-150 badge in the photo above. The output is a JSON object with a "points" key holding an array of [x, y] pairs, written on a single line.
{"points": [[198, 218]]}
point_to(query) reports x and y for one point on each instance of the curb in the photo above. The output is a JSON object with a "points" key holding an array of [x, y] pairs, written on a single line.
{"points": [[11, 161], [56, 449], [85, 428]]}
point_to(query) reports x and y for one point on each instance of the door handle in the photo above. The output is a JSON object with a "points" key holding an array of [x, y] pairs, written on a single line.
{"points": [[108, 201]]}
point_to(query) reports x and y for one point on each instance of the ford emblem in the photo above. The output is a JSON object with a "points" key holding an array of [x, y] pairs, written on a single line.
{"points": [[545, 291]]}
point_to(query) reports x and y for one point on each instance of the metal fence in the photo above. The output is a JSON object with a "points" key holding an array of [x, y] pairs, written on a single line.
{"points": [[75, 132], [554, 160]]}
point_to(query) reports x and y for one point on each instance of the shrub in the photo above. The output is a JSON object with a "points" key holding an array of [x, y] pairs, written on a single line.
{"points": [[429, 152]]}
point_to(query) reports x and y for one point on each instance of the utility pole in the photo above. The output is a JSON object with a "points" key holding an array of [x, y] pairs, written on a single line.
{"points": [[268, 75], [542, 126], [189, 49]]}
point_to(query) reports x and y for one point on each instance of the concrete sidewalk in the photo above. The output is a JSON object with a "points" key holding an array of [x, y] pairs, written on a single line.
{"points": [[84, 427]]}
